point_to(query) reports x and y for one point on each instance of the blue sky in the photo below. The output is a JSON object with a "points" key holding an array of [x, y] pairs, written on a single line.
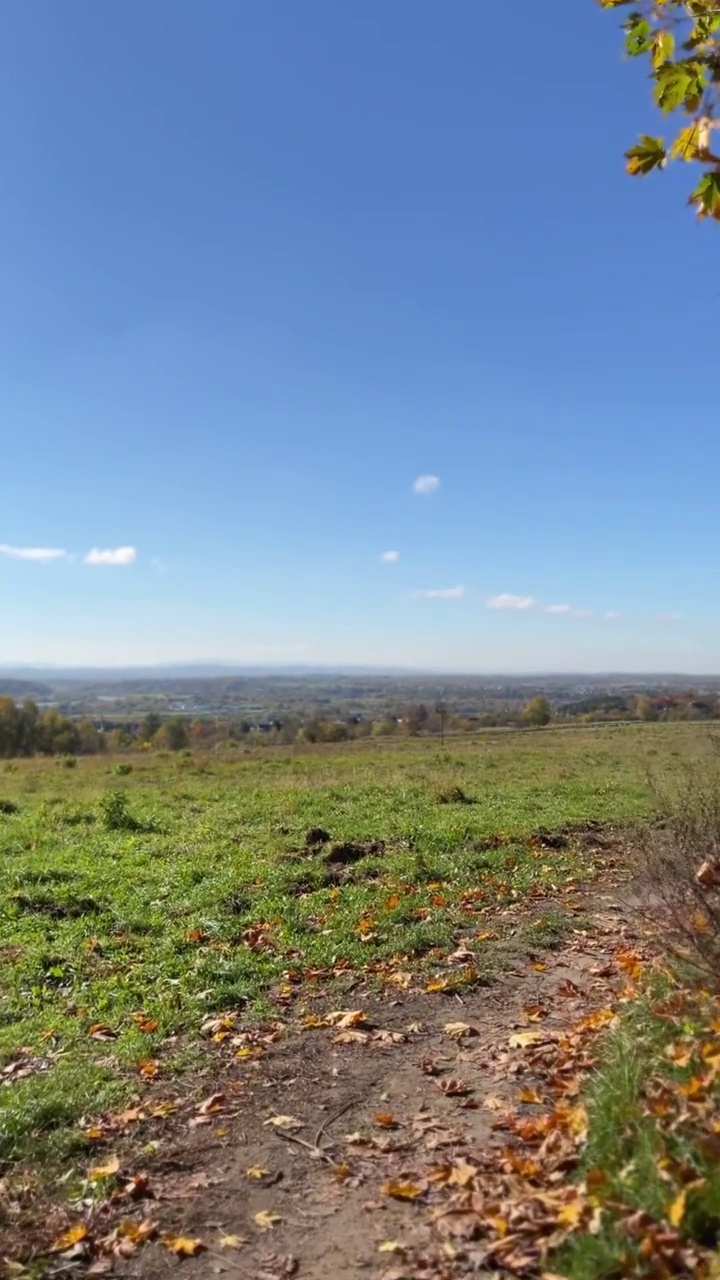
{"points": [[263, 266]]}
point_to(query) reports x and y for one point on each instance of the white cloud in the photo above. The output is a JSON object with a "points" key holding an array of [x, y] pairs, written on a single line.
{"points": [[528, 604], [442, 593], [611, 616], [425, 485], [32, 553], [668, 617], [390, 557], [513, 602], [116, 556]]}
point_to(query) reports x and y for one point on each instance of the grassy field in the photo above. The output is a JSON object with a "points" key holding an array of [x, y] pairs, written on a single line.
{"points": [[140, 893]]}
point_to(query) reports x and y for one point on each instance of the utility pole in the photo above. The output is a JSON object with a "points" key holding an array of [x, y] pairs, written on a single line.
{"points": [[441, 711]]}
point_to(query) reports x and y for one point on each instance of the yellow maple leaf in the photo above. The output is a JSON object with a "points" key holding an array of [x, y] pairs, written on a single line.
{"points": [[184, 1246], [256, 1171], [402, 1190], [232, 1242], [266, 1219]]}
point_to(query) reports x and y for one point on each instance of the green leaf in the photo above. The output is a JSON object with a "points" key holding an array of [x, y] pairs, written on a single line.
{"points": [[680, 84], [689, 143], [663, 48], [703, 31], [648, 154], [639, 36], [706, 196]]}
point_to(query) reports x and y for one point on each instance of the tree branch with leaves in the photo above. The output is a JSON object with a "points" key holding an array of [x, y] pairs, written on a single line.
{"points": [[681, 40]]}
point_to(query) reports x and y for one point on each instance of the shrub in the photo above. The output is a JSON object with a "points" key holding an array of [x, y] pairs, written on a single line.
{"points": [[680, 862], [115, 813]]}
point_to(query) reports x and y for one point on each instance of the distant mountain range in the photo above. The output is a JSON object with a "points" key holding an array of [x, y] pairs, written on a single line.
{"points": [[54, 675]]}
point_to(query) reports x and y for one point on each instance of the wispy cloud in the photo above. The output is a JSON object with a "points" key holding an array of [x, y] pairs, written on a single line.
{"points": [[390, 557], [668, 617], [111, 556], [425, 485], [529, 604], [611, 616], [33, 553], [513, 602], [441, 593]]}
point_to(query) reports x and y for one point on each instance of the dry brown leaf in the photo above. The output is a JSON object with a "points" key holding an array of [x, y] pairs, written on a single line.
{"points": [[493, 1103], [459, 1030], [523, 1039], [266, 1219], [212, 1105], [454, 1088], [184, 1246], [343, 1018], [351, 1037]]}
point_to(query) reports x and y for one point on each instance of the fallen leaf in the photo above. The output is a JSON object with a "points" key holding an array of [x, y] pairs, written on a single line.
{"points": [[493, 1103], [212, 1105], [402, 1190], [453, 1088], [285, 1122], [99, 1031], [106, 1170], [184, 1246], [676, 1212], [386, 1120], [392, 1246], [459, 1030], [343, 1018], [70, 1237], [138, 1187], [539, 966], [266, 1219], [232, 1242], [148, 1069], [351, 1037], [528, 1095], [256, 1171], [523, 1039]]}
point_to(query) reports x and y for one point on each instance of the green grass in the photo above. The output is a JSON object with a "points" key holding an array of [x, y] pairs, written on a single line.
{"points": [[647, 1157], [129, 893]]}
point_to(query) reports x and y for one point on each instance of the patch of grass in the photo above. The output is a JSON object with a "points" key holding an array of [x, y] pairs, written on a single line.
{"points": [[646, 1146], [193, 889]]}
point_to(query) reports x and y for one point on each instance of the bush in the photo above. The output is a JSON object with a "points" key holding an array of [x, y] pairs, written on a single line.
{"points": [[123, 769], [680, 858], [115, 813]]}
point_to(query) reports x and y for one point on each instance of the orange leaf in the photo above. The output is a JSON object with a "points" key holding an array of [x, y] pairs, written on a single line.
{"points": [[106, 1170], [70, 1237], [530, 1096], [386, 1120]]}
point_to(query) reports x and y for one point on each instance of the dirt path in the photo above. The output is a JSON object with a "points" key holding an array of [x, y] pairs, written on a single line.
{"points": [[396, 1100]]}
